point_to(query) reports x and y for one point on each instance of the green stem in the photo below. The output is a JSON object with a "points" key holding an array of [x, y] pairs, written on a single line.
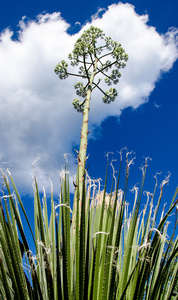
{"points": [[82, 153], [84, 133]]}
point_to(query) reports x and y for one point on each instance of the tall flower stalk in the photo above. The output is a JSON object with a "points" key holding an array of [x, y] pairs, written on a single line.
{"points": [[95, 55]]}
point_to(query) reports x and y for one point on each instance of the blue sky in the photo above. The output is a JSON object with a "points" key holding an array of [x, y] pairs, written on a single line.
{"points": [[37, 118]]}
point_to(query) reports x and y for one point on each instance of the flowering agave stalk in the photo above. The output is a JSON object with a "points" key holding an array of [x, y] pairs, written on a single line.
{"points": [[95, 55]]}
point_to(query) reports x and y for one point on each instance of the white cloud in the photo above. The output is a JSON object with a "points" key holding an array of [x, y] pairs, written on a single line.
{"points": [[37, 118]]}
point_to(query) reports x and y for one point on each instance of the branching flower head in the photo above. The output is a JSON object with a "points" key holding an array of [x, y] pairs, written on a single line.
{"points": [[86, 44], [61, 69], [94, 54], [110, 95], [78, 106]]}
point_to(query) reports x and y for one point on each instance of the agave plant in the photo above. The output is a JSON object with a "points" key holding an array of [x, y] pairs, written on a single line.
{"points": [[118, 254], [99, 248]]}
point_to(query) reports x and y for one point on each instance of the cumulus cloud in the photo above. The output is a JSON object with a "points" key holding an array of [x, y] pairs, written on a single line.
{"points": [[37, 118]]}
